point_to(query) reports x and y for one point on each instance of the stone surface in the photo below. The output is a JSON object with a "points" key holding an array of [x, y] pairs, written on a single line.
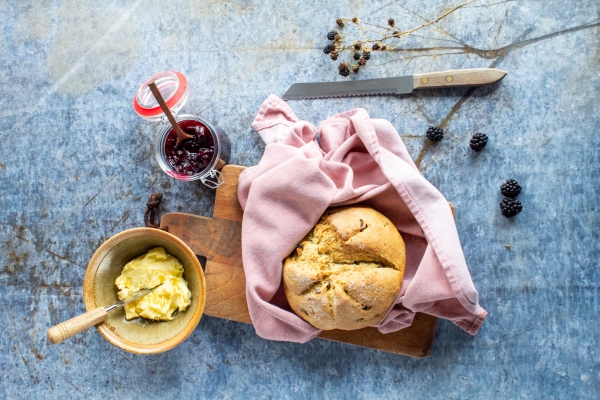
{"points": [[76, 167]]}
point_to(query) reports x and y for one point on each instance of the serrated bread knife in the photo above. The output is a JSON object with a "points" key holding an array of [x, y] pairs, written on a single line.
{"points": [[65, 330], [398, 85]]}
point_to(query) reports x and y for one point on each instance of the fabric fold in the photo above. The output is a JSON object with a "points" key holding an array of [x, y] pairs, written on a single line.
{"points": [[356, 160]]}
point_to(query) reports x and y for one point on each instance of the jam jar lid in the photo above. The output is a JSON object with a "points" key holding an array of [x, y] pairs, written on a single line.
{"points": [[173, 87]]}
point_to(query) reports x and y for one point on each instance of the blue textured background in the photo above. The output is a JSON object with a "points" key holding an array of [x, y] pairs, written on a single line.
{"points": [[76, 167]]}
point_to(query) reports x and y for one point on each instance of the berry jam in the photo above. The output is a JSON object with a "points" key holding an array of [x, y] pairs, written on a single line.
{"points": [[193, 155]]}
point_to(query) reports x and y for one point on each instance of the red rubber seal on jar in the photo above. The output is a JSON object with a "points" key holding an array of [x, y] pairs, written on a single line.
{"points": [[153, 112]]}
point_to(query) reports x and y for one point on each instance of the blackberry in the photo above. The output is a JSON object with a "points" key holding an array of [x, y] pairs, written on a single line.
{"points": [[339, 22], [391, 22], [435, 134], [478, 141], [357, 46], [331, 35], [367, 55], [328, 49], [362, 62], [357, 56], [376, 46], [510, 188], [510, 207], [344, 71]]}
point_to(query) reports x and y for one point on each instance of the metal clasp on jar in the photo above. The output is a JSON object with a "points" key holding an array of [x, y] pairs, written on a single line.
{"points": [[213, 179]]}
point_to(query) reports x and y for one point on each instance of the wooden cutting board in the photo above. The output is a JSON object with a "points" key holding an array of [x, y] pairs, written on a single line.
{"points": [[219, 240]]}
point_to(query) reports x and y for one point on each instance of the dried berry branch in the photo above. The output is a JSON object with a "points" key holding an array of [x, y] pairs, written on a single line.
{"points": [[360, 49]]}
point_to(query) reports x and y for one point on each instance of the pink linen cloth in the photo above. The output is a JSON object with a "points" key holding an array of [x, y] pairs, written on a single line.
{"points": [[356, 160]]}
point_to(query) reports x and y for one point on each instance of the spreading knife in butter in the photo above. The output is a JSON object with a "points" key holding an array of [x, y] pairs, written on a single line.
{"points": [[65, 330], [397, 85]]}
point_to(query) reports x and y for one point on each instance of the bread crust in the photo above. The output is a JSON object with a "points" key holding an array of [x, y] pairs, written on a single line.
{"points": [[347, 271]]}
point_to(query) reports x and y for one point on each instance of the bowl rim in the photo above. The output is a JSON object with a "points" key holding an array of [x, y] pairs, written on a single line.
{"points": [[90, 301]]}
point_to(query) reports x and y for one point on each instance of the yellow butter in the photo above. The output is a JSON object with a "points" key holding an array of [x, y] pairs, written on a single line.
{"points": [[147, 271]]}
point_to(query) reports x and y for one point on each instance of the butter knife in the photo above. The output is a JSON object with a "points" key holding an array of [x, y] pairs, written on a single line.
{"points": [[398, 85], [66, 330]]}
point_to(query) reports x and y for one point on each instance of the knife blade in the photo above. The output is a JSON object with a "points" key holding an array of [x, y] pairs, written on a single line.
{"points": [[396, 85], [132, 297], [65, 330]]}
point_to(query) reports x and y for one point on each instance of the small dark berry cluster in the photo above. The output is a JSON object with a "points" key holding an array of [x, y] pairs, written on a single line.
{"points": [[478, 141], [510, 188], [343, 68], [509, 205], [333, 49], [435, 134], [361, 54], [360, 51], [328, 49]]}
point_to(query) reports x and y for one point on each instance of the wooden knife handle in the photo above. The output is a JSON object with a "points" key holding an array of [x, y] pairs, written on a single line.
{"points": [[65, 330], [458, 77]]}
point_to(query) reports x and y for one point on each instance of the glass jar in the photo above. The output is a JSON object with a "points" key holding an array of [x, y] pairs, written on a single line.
{"points": [[171, 163], [194, 159]]}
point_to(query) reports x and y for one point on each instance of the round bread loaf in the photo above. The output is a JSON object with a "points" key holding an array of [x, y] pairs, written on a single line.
{"points": [[347, 271]]}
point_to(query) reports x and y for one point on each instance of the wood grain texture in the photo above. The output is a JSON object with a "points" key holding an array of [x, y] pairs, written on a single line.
{"points": [[458, 78], [66, 330], [219, 240], [227, 205], [415, 341]]}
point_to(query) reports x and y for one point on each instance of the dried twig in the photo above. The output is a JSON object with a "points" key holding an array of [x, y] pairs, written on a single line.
{"points": [[360, 49]]}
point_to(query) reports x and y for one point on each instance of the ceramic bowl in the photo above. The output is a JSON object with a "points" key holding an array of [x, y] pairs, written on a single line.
{"points": [[140, 335]]}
